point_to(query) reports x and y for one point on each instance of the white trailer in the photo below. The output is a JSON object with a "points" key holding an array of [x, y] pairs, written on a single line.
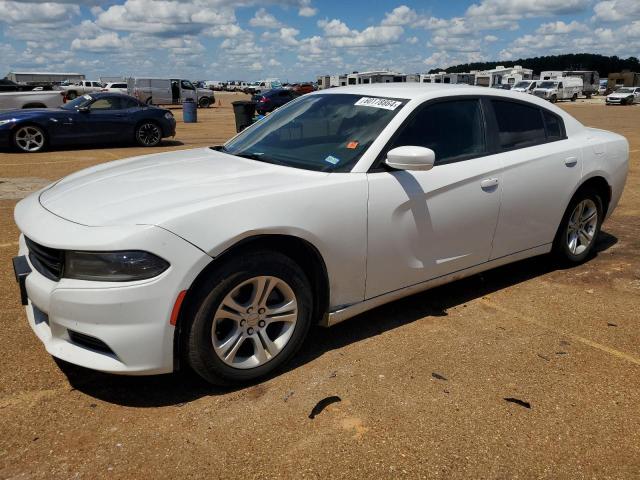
{"points": [[502, 76]]}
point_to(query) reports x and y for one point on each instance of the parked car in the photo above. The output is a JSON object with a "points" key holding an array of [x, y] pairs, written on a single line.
{"points": [[561, 88], [302, 88], [32, 99], [80, 88], [171, 91], [91, 118], [119, 87], [341, 201], [7, 85], [266, 85], [268, 101], [525, 86], [502, 86], [624, 96]]}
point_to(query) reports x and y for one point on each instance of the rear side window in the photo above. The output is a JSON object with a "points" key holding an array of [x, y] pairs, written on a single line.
{"points": [[519, 125], [555, 127], [454, 130]]}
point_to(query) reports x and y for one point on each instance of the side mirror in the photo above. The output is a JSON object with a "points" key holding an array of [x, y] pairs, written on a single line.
{"points": [[411, 158]]}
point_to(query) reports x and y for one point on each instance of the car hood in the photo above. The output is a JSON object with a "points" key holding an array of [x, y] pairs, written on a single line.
{"points": [[157, 188], [619, 95]]}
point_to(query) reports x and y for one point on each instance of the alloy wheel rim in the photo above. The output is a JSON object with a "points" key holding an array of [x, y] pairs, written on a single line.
{"points": [[254, 322], [149, 134], [582, 226], [29, 139]]}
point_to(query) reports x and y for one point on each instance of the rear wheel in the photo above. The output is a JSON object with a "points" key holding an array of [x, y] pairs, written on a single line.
{"points": [[149, 101], [204, 102], [148, 134], [29, 138], [71, 95], [580, 227], [249, 318]]}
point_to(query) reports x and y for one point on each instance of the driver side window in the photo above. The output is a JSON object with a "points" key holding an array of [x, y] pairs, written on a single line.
{"points": [[109, 103], [453, 129]]}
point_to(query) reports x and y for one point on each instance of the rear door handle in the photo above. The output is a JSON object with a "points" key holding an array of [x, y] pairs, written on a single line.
{"points": [[570, 161], [489, 183]]}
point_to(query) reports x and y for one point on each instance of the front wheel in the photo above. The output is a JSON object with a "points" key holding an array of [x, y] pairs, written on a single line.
{"points": [[148, 134], [554, 99], [575, 97], [29, 138], [580, 227], [249, 318]]}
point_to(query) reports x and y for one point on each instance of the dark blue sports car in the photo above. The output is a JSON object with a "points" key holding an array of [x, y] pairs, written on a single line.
{"points": [[92, 118]]}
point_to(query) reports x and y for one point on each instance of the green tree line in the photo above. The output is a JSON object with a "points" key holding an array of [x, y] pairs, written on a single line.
{"points": [[575, 61]]}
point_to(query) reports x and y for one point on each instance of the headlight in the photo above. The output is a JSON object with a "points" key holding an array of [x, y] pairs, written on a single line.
{"points": [[124, 266], [4, 122], [168, 115]]}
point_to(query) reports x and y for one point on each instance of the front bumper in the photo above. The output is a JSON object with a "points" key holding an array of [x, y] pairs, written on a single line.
{"points": [[615, 101], [131, 319]]}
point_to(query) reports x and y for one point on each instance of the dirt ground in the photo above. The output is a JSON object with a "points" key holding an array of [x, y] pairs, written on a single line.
{"points": [[522, 372]]}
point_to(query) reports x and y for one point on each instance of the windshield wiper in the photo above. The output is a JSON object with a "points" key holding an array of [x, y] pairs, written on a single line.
{"points": [[261, 158]]}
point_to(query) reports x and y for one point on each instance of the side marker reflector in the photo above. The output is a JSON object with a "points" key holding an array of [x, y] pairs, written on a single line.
{"points": [[176, 307]]}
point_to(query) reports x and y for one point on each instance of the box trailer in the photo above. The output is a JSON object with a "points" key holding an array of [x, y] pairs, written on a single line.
{"points": [[45, 78]]}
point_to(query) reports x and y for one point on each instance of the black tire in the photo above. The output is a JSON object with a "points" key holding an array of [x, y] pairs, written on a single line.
{"points": [[148, 134], [554, 99], [575, 97], [561, 248], [38, 134], [204, 102], [149, 101], [628, 101], [71, 95], [198, 346]]}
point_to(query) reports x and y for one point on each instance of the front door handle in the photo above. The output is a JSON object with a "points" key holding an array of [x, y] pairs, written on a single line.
{"points": [[489, 183], [570, 161]]}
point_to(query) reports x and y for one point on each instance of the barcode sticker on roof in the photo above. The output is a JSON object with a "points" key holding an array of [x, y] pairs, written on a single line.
{"points": [[378, 103]]}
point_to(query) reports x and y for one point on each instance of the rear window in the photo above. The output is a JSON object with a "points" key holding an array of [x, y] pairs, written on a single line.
{"points": [[519, 125]]}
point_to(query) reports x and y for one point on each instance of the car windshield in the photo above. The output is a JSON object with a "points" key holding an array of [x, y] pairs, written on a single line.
{"points": [[521, 85], [548, 85], [78, 102], [624, 90], [319, 132]]}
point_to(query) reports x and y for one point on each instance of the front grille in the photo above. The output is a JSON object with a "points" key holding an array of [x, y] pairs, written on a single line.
{"points": [[47, 261], [89, 342], [539, 94]]}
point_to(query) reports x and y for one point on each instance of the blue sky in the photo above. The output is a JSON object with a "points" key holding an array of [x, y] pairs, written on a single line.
{"points": [[300, 39]]}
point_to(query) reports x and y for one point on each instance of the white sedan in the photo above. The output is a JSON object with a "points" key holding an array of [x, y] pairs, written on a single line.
{"points": [[119, 87], [624, 96], [338, 202]]}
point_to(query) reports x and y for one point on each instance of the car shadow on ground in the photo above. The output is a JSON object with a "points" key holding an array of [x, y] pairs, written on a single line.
{"points": [[93, 146], [185, 386]]}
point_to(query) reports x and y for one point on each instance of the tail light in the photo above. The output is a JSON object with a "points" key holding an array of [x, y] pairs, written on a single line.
{"points": [[64, 97]]}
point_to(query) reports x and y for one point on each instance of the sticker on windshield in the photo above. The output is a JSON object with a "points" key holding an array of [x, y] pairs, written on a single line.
{"points": [[332, 160], [378, 103], [352, 144]]}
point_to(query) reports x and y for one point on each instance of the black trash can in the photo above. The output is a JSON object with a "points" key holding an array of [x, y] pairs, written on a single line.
{"points": [[244, 111]]}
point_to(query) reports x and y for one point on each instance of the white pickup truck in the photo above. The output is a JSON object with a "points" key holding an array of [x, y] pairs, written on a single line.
{"points": [[80, 88], [37, 99]]}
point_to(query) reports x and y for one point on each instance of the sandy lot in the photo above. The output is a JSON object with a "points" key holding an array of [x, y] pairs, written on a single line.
{"points": [[423, 382]]}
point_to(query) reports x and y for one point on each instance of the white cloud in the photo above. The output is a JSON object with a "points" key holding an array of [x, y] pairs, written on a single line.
{"points": [[616, 10], [263, 19], [340, 35], [560, 27], [102, 43], [526, 8], [306, 10]]}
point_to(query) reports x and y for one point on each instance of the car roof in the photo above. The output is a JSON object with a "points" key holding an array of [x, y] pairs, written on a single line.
{"points": [[417, 93]]}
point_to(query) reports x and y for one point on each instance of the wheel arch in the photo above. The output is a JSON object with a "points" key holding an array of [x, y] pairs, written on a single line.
{"points": [[600, 184], [34, 105], [301, 251]]}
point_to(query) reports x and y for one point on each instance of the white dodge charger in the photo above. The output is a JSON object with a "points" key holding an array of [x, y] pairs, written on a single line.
{"points": [[340, 201]]}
